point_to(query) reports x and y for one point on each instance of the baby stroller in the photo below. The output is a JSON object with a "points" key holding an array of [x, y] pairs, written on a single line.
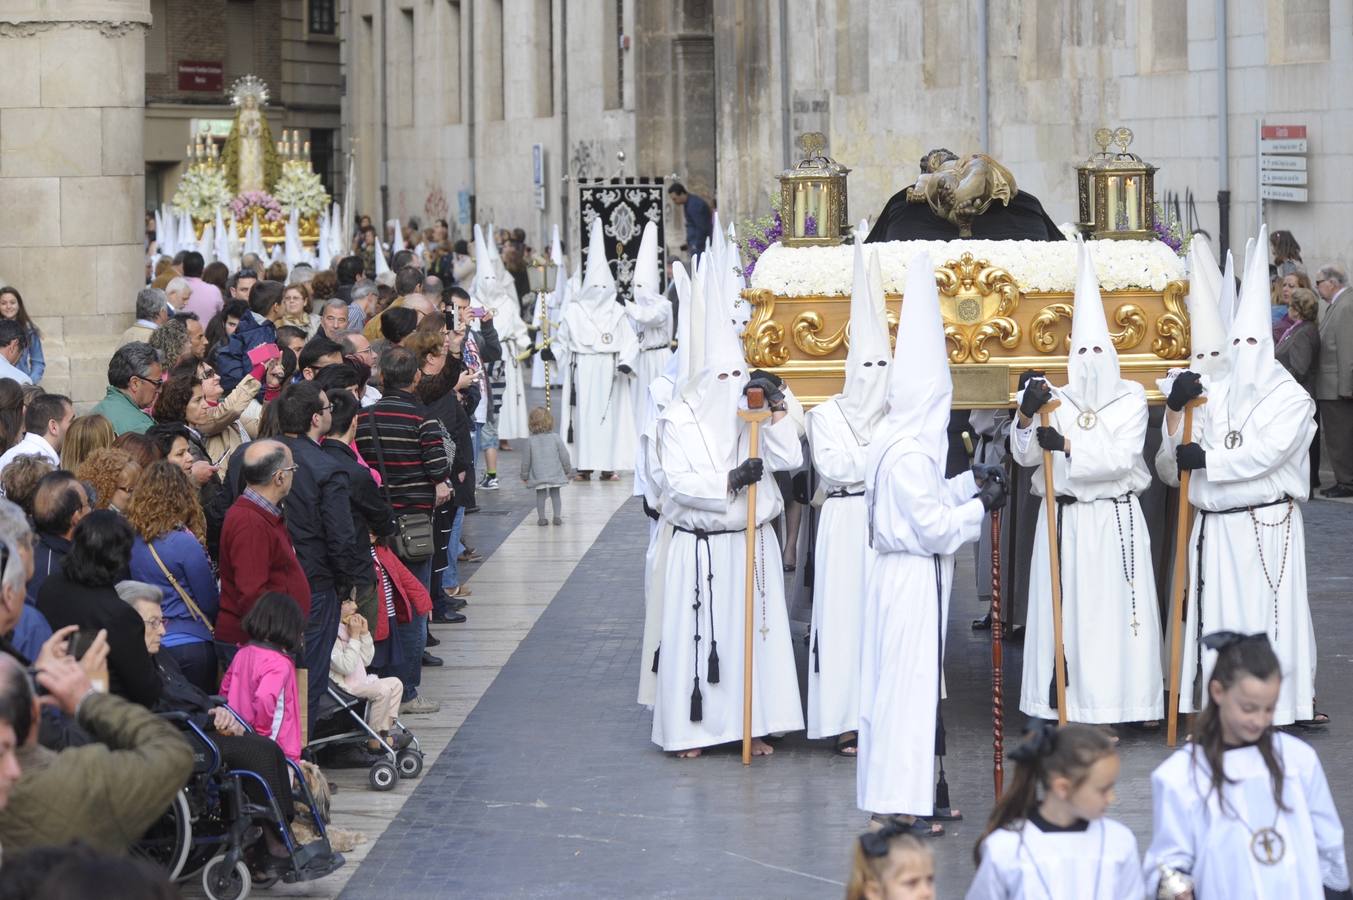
{"points": [[213, 827], [342, 724]]}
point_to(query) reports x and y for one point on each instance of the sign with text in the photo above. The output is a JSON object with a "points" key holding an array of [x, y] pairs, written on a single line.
{"points": [[1270, 176], [1282, 131], [1282, 145], [1282, 164], [1290, 194], [538, 174], [201, 75], [1285, 163]]}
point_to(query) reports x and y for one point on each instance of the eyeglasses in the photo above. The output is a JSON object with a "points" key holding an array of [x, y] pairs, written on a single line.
{"points": [[326, 408], [155, 384], [154, 622], [207, 373], [290, 468], [1320, 281]]}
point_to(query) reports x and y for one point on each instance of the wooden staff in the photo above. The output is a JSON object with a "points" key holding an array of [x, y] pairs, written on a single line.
{"points": [[1054, 568], [997, 659], [1179, 582], [754, 415]]}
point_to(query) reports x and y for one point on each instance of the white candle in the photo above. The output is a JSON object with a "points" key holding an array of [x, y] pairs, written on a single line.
{"points": [[800, 208], [307, 148], [1112, 224], [1134, 220]]}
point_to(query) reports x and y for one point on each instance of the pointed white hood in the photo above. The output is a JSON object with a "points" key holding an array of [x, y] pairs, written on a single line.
{"points": [[1226, 302], [598, 282], [920, 390], [557, 251], [647, 281], [383, 267], [1093, 375], [866, 389], [1207, 339], [715, 392], [1254, 371], [396, 236], [485, 277]]}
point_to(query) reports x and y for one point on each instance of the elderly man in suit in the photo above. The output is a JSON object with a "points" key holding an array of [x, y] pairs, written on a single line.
{"points": [[1334, 385]]}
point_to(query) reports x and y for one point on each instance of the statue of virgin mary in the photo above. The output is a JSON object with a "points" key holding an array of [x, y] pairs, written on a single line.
{"points": [[250, 157]]}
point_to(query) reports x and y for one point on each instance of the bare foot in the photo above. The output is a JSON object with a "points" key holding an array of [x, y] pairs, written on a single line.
{"points": [[689, 754], [761, 748]]}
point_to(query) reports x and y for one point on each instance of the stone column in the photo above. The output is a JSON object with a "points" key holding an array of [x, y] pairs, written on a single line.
{"points": [[72, 176]]}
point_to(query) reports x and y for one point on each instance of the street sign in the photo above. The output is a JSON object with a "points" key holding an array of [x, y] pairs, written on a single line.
{"points": [[1291, 194], [538, 174], [1286, 163], [1282, 131], [1282, 145], [1268, 176]]}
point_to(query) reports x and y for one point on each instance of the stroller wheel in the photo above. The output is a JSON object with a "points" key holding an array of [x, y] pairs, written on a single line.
{"points": [[410, 763], [223, 883], [382, 776]]}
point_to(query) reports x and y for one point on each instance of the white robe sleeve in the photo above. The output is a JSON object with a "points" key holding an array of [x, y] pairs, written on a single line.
{"points": [[1283, 436], [841, 461], [987, 883], [1171, 839], [1127, 880], [627, 353], [646, 315], [961, 488], [780, 449], [691, 482], [1329, 831], [1109, 454], [919, 499], [1166, 467]]}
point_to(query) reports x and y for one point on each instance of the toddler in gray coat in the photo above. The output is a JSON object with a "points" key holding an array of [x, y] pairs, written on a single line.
{"points": [[545, 463]]}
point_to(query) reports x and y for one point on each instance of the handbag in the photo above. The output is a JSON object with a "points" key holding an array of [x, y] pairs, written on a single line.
{"points": [[413, 540], [193, 608]]}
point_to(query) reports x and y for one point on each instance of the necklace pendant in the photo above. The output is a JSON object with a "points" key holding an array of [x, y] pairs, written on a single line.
{"points": [[765, 630], [1234, 439], [1267, 846], [1134, 624], [1087, 419], [606, 337]]}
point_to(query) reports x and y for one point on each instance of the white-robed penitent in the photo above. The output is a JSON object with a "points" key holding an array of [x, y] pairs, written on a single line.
{"points": [[700, 440], [1089, 861], [1217, 840], [1247, 551], [839, 433], [918, 519], [650, 314], [494, 292], [1110, 616], [600, 341]]}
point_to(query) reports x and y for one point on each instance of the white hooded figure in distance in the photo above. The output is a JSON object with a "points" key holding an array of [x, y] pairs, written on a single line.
{"points": [[1250, 463], [703, 447], [917, 521], [548, 311], [1110, 617], [839, 432], [496, 294], [649, 479], [651, 315], [1209, 356], [601, 342]]}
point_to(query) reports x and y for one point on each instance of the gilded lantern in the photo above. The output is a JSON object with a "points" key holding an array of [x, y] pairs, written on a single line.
{"points": [[813, 197], [542, 275], [1116, 190]]}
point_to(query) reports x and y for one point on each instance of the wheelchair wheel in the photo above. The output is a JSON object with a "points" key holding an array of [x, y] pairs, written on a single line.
{"points": [[168, 842], [410, 763], [222, 883], [382, 776]]}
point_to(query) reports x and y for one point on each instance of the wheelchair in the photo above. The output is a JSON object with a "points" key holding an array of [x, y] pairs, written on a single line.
{"points": [[213, 827], [342, 723]]}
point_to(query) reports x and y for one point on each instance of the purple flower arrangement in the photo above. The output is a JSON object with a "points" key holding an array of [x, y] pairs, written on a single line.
{"points": [[757, 236], [243, 206], [1169, 230]]}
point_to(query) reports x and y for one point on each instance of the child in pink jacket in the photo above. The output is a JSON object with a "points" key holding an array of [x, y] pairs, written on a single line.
{"points": [[260, 684]]}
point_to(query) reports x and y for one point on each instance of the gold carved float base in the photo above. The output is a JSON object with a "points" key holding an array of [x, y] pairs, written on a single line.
{"points": [[994, 332]]}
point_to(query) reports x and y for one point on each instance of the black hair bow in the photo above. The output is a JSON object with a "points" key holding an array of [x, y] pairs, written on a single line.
{"points": [[875, 843], [1220, 640], [1039, 739]]}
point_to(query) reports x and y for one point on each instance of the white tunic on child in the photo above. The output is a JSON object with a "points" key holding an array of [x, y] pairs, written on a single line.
{"points": [[1193, 833], [1097, 861]]}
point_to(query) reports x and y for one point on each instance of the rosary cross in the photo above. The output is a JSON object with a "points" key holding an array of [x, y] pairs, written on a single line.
{"points": [[1135, 624], [764, 629], [1271, 843]]}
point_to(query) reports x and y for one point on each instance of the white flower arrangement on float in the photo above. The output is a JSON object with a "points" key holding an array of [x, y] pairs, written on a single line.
{"points": [[1036, 266], [300, 188], [202, 190]]}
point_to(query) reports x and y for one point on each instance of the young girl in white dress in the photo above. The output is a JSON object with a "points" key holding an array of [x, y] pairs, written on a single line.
{"points": [[891, 864], [1244, 812], [1048, 837]]}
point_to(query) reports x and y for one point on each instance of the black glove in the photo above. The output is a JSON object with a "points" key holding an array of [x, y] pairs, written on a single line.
{"points": [[1036, 396], [1050, 438], [1029, 375], [773, 385], [624, 369], [982, 473], [1190, 457], [992, 494], [748, 473], [547, 354], [1187, 386]]}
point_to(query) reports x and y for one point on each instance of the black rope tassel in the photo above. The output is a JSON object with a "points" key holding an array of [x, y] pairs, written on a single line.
{"points": [[697, 704], [941, 787], [712, 675], [816, 659], [656, 650]]}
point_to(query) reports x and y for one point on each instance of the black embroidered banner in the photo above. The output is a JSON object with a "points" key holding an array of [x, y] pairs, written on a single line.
{"points": [[625, 206]]}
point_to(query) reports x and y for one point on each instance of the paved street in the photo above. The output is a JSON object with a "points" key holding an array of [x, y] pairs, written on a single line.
{"points": [[551, 787]]}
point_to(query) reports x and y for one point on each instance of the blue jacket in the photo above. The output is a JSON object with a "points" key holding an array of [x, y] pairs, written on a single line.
{"points": [[185, 559], [699, 223], [48, 553], [232, 361], [31, 361]]}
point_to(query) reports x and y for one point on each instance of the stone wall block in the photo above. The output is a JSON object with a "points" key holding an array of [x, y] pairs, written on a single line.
{"points": [[82, 67], [58, 281], [104, 210], [31, 211], [11, 263], [37, 142], [122, 140], [121, 272], [19, 86]]}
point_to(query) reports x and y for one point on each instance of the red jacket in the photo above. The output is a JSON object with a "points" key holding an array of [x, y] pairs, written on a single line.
{"points": [[256, 557], [409, 594]]}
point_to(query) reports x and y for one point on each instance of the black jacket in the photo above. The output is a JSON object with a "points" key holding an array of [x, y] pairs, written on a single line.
{"points": [[318, 513], [370, 513], [131, 672], [454, 413]]}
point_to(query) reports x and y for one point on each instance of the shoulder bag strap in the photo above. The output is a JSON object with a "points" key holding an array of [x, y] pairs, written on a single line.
{"points": [[187, 598], [380, 456]]}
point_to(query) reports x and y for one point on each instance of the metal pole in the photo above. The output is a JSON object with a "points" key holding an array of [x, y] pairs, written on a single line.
{"points": [[1223, 136], [785, 113], [984, 78]]}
